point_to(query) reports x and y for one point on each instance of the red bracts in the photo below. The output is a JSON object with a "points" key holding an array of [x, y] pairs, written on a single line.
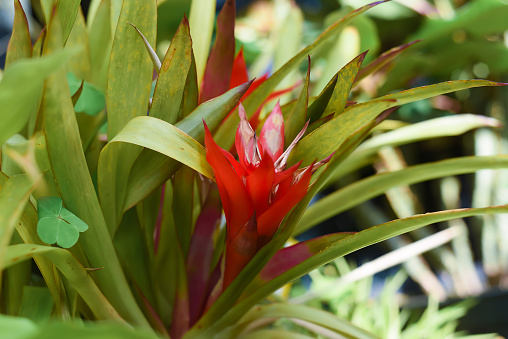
{"points": [[257, 191]]}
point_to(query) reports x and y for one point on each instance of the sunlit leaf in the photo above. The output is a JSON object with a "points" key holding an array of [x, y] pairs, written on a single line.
{"points": [[165, 138]]}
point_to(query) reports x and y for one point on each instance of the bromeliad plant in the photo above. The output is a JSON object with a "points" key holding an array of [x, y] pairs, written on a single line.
{"points": [[154, 253]]}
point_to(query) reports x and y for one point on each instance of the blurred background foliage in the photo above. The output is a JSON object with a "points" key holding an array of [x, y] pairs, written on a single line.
{"points": [[457, 39]]}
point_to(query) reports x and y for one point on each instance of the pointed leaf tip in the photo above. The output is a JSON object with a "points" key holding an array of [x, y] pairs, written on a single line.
{"points": [[155, 59]]}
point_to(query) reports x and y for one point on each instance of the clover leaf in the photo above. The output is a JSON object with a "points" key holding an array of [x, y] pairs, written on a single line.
{"points": [[57, 224]]}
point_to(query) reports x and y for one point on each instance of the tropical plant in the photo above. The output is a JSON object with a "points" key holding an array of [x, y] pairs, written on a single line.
{"points": [[139, 238]]}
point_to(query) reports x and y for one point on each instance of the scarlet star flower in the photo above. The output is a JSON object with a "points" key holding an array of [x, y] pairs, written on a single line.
{"points": [[257, 191]]}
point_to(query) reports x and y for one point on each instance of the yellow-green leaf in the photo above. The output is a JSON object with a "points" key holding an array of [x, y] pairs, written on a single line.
{"points": [[165, 138], [130, 67], [20, 43], [168, 96]]}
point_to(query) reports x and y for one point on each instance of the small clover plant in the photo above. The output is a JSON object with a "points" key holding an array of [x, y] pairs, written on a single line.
{"points": [[57, 224]]}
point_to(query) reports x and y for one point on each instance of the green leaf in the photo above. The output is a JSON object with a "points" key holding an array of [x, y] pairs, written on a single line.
{"points": [[66, 12], [20, 89], [130, 68], [100, 44], [201, 20], [131, 247], [169, 92], [434, 128], [22, 328], [20, 43], [27, 229], [313, 315], [295, 121], [57, 224], [225, 135], [319, 104], [375, 185], [80, 64], [345, 79], [37, 304], [17, 327], [318, 144], [71, 268], [158, 135], [279, 334], [13, 198]]}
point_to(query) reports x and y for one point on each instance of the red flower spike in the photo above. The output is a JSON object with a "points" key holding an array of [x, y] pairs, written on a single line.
{"points": [[256, 192], [240, 205], [272, 134]]}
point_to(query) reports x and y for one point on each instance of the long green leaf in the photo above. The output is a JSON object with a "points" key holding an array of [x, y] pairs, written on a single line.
{"points": [[272, 334], [130, 67], [375, 185], [296, 119], [66, 12], [201, 20], [37, 304], [310, 314], [168, 96], [160, 136], [72, 270], [20, 43], [27, 229], [225, 135], [319, 144], [80, 64], [345, 79], [13, 198], [434, 128], [77, 191], [20, 88], [101, 41], [127, 96]]}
